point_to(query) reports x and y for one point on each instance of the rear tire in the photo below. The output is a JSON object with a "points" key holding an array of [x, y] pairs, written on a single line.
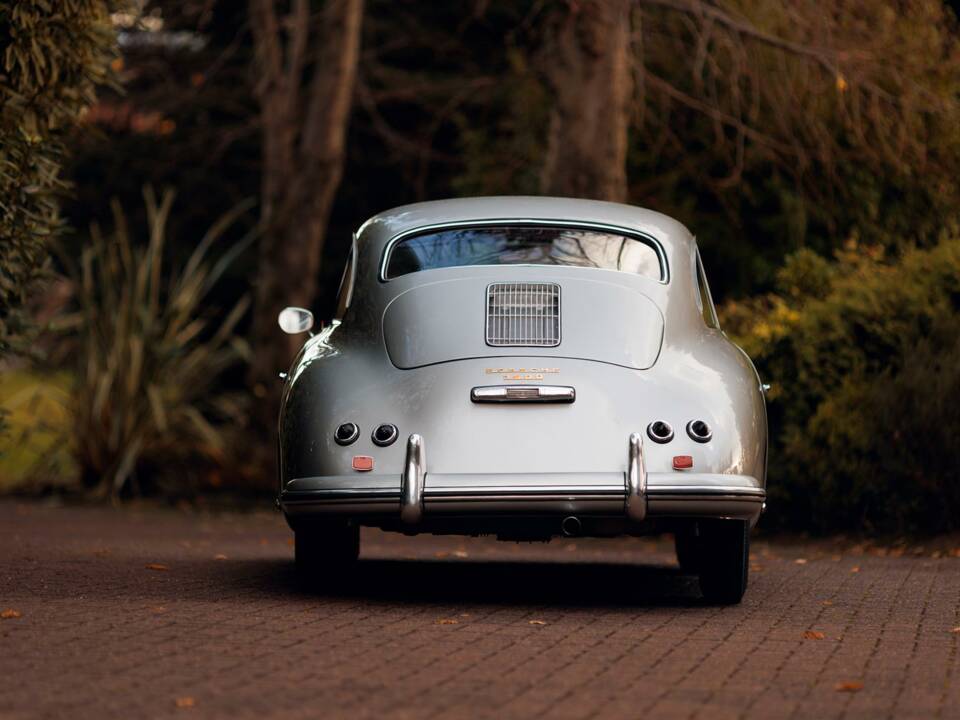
{"points": [[320, 549], [687, 546], [724, 560]]}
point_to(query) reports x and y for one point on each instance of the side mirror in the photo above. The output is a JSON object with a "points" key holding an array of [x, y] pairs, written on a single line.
{"points": [[294, 320]]}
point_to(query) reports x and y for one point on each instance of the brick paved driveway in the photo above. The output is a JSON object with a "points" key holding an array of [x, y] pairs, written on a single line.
{"points": [[445, 627]]}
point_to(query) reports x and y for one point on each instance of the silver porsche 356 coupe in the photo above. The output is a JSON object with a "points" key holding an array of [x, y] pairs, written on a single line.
{"points": [[524, 367]]}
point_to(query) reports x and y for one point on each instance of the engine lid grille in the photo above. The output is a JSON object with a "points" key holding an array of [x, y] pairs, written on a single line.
{"points": [[523, 314]]}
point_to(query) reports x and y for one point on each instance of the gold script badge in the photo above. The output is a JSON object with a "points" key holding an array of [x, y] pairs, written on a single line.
{"points": [[521, 373]]}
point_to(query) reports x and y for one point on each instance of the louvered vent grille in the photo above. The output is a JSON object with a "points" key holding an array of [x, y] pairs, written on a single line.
{"points": [[526, 314]]}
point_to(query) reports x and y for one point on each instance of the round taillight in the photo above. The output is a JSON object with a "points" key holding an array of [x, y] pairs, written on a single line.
{"points": [[698, 430], [660, 431], [385, 434], [346, 433]]}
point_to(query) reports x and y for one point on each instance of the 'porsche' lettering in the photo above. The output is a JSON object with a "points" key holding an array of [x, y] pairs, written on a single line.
{"points": [[506, 371], [521, 373]]}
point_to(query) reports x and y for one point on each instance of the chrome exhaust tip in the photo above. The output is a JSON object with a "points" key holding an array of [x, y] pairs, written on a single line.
{"points": [[571, 526]]}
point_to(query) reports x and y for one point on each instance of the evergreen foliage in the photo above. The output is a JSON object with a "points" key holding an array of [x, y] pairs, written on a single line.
{"points": [[54, 55]]}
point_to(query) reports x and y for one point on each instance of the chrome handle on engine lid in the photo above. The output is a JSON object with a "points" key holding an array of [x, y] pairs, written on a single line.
{"points": [[523, 394]]}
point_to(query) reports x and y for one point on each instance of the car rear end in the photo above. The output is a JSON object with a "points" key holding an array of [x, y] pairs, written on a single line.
{"points": [[522, 399]]}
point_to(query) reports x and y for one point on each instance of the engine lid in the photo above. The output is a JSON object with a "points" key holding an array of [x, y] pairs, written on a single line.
{"points": [[474, 318]]}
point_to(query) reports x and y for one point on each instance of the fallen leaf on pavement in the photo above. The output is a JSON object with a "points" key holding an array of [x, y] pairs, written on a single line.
{"points": [[801, 561], [956, 631], [538, 622], [10, 614], [156, 566], [219, 556], [460, 553], [855, 569], [849, 686], [828, 603], [447, 621], [813, 635], [185, 702]]}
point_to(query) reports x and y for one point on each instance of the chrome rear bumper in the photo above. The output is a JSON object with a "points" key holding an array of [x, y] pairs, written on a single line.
{"points": [[634, 494]]}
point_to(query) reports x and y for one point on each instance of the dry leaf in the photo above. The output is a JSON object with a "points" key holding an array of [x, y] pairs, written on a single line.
{"points": [[460, 553], [956, 630], [855, 569], [813, 635], [827, 602], [185, 702], [10, 614], [801, 561], [447, 621], [219, 556], [849, 686], [156, 566], [538, 622]]}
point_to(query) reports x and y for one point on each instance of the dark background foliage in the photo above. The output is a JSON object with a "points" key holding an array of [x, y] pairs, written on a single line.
{"points": [[813, 147]]}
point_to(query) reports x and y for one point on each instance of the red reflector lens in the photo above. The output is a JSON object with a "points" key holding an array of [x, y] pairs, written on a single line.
{"points": [[362, 463], [682, 462]]}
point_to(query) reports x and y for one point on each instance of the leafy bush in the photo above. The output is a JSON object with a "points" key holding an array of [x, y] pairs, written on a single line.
{"points": [[32, 451], [55, 54], [149, 361], [862, 357]]}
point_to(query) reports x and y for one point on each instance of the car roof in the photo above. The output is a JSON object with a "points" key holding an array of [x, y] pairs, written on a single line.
{"points": [[378, 230]]}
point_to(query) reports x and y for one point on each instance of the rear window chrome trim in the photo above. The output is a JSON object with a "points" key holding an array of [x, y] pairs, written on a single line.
{"points": [[530, 222]]}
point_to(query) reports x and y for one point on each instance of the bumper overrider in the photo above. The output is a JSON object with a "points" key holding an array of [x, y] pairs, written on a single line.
{"points": [[635, 494]]}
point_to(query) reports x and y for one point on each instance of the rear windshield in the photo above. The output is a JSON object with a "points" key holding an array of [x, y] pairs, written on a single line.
{"points": [[523, 245]]}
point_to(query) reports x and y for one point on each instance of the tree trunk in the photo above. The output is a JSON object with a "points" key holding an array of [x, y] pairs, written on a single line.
{"points": [[587, 64], [306, 67]]}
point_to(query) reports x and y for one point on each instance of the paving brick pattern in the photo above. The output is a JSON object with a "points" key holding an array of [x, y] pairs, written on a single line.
{"points": [[449, 628]]}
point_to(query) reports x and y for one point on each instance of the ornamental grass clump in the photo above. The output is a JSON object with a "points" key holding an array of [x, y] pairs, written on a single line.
{"points": [[150, 357]]}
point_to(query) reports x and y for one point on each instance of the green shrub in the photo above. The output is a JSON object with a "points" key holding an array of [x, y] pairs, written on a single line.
{"points": [[149, 360], [54, 55], [862, 355]]}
